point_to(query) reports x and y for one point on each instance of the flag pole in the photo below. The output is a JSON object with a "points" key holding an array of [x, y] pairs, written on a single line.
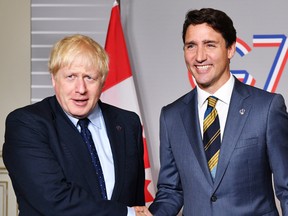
{"points": [[118, 1]]}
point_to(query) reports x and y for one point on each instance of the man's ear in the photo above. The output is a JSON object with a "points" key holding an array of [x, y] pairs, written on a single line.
{"points": [[231, 50]]}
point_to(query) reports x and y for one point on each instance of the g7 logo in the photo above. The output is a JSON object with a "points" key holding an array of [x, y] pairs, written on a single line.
{"points": [[278, 65]]}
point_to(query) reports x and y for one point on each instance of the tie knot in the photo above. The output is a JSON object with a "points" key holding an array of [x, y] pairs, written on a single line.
{"points": [[212, 101], [83, 122]]}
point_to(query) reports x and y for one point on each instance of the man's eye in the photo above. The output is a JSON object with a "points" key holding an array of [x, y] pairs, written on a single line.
{"points": [[89, 77], [189, 46], [70, 76], [211, 45]]}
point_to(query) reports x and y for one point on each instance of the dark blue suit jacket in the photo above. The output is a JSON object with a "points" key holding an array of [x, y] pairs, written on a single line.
{"points": [[254, 145], [51, 169]]}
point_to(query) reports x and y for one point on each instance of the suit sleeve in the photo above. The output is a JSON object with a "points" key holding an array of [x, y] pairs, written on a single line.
{"points": [[37, 177], [277, 144], [169, 198]]}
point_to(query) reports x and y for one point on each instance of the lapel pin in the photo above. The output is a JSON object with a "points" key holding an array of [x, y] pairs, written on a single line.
{"points": [[242, 111], [118, 127]]}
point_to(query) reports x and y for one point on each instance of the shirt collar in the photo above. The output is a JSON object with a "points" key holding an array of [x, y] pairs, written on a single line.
{"points": [[94, 117], [223, 94]]}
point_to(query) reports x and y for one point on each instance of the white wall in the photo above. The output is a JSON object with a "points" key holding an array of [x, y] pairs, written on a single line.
{"points": [[14, 81], [14, 57]]}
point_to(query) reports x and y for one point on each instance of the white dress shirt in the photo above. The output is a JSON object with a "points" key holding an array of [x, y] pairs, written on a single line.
{"points": [[222, 106], [99, 134]]}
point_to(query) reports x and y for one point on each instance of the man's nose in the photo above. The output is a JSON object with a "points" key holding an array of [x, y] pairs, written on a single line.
{"points": [[200, 55], [81, 86]]}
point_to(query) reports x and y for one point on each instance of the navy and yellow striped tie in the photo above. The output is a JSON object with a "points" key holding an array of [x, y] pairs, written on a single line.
{"points": [[211, 135]]}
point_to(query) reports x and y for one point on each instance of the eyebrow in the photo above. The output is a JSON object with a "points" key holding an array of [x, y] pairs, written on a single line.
{"points": [[189, 43], [204, 41], [210, 41]]}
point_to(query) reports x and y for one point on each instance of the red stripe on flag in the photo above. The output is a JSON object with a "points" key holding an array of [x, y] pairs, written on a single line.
{"points": [[146, 158], [115, 46], [148, 196]]}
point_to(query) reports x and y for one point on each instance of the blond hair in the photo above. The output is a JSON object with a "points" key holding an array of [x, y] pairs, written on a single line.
{"points": [[67, 49]]}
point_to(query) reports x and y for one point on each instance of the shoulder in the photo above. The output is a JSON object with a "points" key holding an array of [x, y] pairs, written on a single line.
{"points": [[180, 103], [254, 91], [42, 109], [37, 118], [257, 96]]}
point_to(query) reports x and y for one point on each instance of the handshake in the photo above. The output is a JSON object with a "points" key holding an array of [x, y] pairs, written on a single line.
{"points": [[142, 210]]}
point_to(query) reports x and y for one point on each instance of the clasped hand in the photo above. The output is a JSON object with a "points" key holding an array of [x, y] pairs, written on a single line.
{"points": [[142, 210]]}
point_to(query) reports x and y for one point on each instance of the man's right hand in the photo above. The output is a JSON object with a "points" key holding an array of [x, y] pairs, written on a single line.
{"points": [[142, 211]]}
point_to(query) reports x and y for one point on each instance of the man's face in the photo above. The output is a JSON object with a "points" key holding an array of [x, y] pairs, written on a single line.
{"points": [[77, 88], [207, 57]]}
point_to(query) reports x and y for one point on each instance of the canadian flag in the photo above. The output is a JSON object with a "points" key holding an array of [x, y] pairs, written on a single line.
{"points": [[119, 88]]}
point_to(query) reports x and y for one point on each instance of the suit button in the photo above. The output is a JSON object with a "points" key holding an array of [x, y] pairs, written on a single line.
{"points": [[213, 198]]}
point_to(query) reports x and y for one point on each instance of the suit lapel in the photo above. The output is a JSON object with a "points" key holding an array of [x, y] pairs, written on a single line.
{"points": [[70, 137], [116, 134], [239, 109], [190, 120]]}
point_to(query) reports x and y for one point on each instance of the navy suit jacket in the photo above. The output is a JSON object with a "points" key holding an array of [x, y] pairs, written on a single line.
{"points": [[50, 166], [254, 145]]}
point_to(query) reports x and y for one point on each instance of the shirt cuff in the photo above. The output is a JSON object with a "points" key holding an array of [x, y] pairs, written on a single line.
{"points": [[131, 211]]}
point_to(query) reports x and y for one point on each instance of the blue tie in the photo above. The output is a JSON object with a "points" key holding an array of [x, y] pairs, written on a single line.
{"points": [[86, 135], [211, 135]]}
